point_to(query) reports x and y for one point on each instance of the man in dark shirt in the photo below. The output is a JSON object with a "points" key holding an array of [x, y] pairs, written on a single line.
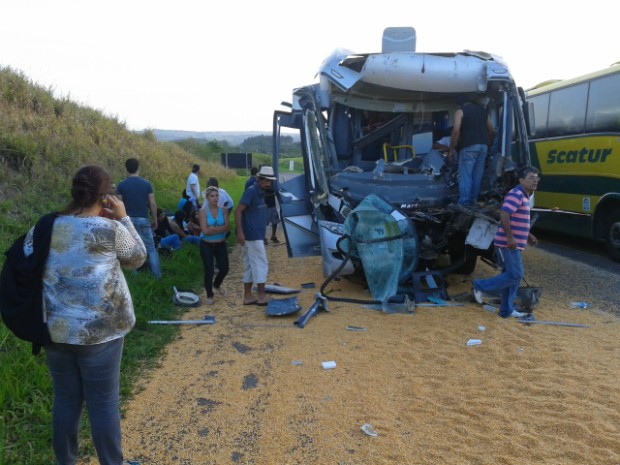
{"points": [[473, 132], [138, 196], [253, 177], [251, 217]]}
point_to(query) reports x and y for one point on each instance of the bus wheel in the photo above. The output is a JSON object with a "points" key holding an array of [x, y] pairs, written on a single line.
{"points": [[612, 236]]}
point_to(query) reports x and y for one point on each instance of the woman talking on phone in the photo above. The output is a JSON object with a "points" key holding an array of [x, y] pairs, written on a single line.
{"points": [[89, 311]]}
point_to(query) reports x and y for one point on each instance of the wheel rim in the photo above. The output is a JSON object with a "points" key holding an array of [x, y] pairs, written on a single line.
{"points": [[614, 235]]}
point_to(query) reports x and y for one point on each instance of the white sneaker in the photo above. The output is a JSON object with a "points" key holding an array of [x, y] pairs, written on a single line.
{"points": [[478, 297], [516, 314], [221, 291]]}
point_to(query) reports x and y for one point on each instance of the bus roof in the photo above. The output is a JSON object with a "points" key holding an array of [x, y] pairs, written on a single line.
{"points": [[553, 84]]}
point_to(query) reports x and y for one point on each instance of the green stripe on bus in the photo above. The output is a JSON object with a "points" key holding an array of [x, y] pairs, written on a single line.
{"points": [[582, 185]]}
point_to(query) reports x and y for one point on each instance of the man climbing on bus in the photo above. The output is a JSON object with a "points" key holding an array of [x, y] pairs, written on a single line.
{"points": [[473, 133]]}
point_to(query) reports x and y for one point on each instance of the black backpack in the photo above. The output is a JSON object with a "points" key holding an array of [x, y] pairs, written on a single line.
{"points": [[21, 286]]}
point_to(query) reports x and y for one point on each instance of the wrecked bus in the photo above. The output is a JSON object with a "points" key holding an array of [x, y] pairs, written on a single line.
{"points": [[368, 132]]}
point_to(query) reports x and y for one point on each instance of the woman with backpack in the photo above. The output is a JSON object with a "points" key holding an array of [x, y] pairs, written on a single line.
{"points": [[89, 311]]}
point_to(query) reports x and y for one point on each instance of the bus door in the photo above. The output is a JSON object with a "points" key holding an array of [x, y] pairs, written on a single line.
{"points": [[294, 194]]}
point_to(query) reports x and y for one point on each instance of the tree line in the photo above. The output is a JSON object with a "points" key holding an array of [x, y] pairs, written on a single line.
{"points": [[256, 144]]}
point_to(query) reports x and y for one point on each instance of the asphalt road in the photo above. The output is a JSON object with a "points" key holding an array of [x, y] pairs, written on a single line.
{"points": [[578, 249], [578, 268]]}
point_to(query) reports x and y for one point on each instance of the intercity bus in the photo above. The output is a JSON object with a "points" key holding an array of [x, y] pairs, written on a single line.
{"points": [[575, 142], [367, 131]]}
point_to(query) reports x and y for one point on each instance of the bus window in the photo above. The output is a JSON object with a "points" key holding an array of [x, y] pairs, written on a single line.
{"points": [[604, 105], [567, 111], [541, 107]]}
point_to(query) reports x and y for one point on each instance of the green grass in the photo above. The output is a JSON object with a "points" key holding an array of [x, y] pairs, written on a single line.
{"points": [[284, 165]]}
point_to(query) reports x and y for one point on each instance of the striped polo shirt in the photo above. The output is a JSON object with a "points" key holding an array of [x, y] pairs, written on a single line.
{"points": [[517, 205]]}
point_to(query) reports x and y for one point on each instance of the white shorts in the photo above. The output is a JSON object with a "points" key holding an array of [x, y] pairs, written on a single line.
{"points": [[255, 266]]}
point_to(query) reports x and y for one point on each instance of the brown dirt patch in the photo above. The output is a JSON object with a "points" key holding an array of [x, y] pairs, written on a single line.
{"points": [[228, 393]]}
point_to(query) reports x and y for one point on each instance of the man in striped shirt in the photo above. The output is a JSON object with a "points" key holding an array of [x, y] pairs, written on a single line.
{"points": [[510, 239]]}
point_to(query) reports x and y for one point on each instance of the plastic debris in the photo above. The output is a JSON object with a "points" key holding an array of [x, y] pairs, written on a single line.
{"points": [[474, 342], [481, 328], [356, 328], [208, 320], [489, 308], [369, 430], [580, 305], [526, 321], [320, 304], [280, 307], [185, 298], [398, 303], [297, 363], [328, 365]]}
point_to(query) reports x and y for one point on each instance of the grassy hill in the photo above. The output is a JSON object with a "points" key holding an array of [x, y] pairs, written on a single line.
{"points": [[44, 140]]}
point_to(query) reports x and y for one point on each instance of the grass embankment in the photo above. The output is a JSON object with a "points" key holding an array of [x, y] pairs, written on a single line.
{"points": [[43, 141]]}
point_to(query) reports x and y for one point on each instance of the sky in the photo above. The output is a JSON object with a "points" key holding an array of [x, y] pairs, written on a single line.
{"points": [[207, 65]]}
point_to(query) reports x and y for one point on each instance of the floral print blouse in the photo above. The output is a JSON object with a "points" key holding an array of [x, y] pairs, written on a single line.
{"points": [[86, 297]]}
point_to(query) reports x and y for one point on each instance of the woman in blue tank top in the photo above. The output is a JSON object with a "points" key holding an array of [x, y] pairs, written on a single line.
{"points": [[214, 226]]}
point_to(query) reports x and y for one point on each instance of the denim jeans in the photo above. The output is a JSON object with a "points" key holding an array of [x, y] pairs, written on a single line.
{"points": [[172, 241], [192, 239], [471, 170], [507, 282], [86, 374], [209, 251], [143, 226]]}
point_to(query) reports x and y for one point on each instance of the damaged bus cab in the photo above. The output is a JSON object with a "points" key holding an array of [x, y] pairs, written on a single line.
{"points": [[369, 131]]}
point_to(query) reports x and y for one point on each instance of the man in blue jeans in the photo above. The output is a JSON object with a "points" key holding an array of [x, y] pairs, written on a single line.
{"points": [[510, 239], [139, 199], [473, 132]]}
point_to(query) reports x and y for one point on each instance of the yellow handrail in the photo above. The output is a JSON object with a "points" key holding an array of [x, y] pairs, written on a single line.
{"points": [[394, 149]]}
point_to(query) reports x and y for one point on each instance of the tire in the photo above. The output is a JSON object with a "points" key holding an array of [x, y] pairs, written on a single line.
{"points": [[458, 250], [469, 265], [612, 235]]}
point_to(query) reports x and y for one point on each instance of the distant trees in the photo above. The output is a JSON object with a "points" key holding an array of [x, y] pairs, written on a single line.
{"points": [[205, 148], [263, 144], [256, 144]]}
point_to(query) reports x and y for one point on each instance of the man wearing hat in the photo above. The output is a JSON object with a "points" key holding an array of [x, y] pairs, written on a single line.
{"points": [[252, 217]]}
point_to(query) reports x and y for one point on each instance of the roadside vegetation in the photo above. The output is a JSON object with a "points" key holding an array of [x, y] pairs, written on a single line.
{"points": [[43, 141]]}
